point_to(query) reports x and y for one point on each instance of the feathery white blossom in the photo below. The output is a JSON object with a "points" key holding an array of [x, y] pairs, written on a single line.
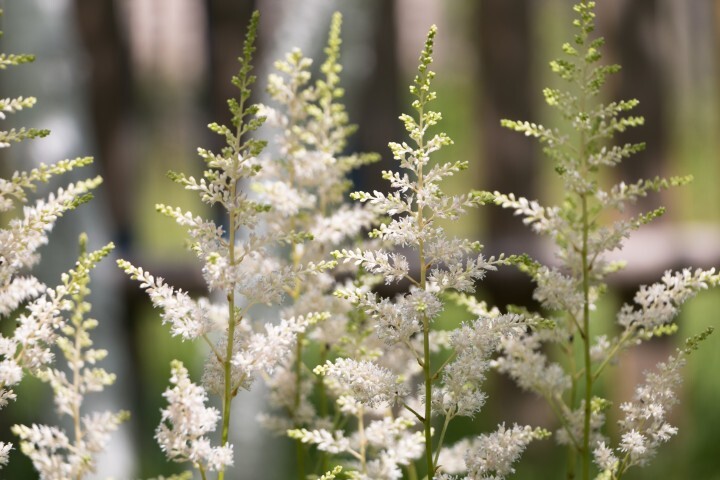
{"points": [[185, 422], [496, 452], [367, 382]]}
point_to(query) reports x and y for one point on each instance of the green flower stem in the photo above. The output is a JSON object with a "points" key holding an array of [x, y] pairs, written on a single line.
{"points": [[324, 456], [585, 333], [227, 366], [427, 373], [442, 437], [412, 472], [363, 441]]}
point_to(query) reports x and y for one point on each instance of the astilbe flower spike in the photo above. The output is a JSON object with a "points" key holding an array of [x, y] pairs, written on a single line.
{"points": [[570, 290], [304, 180], [414, 211], [28, 348], [238, 264], [56, 454]]}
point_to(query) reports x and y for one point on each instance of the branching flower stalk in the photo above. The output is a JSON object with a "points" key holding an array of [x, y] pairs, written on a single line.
{"points": [[28, 349], [413, 211], [55, 454], [239, 266], [573, 288], [306, 185]]}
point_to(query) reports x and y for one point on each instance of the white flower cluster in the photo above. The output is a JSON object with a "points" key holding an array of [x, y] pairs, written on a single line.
{"points": [[659, 303], [473, 344], [529, 367], [364, 381], [384, 369], [244, 261], [185, 316], [645, 424], [56, 457], [413, 211], [489, 456], [186, 421], [53, 453], [496, 452], [394, 442]]}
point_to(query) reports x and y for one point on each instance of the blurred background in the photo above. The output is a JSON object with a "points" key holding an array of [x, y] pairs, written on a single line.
{"points": [[134, 82]]}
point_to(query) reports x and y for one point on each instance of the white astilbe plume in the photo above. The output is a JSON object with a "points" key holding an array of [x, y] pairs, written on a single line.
{"points": [[305, 181], [325, 441], [398, 442], [581, 152], [658, 304], [264, 351], [186, 318], [55, 454], [644, 426], [491, 456], [367, 382], [37, 328], [56, 457], [437, 264], [521, 360], [23, 236], [473, 343], [186, 421]]}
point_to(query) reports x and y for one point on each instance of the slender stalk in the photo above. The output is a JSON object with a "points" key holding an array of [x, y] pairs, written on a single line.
{"points": [[572, 449], [363, 441], [412, 472], [76, 385], [411, 410], [586, 349], [227, 366], [428, 397], [612, 353], [427, 373], [232, 227], [442, 438], [585, 333], [299, 448], [323, 400]]}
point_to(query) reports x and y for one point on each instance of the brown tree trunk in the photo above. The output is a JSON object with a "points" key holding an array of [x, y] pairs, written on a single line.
{"points": [[376, 108], [632, 42], [227, 24], [504, 42], [110, 86]]}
